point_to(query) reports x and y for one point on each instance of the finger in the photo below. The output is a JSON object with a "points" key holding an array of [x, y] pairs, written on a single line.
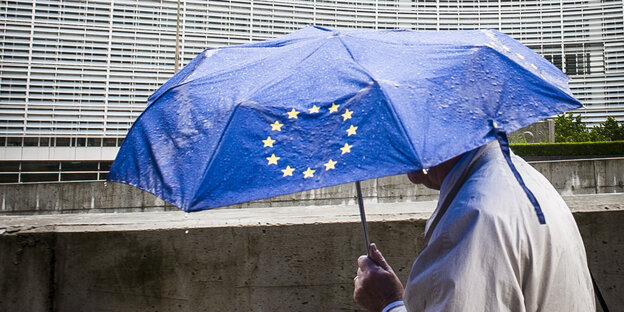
{"points": [[365, 263], [378, 258], [357, 281], [357, 289]]}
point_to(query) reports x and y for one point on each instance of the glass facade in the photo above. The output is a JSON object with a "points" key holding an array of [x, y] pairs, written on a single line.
{"points": [[77, 73]]}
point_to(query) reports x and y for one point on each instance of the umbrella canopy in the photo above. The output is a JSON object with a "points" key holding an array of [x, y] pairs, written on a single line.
{"points": [[321, 107]]}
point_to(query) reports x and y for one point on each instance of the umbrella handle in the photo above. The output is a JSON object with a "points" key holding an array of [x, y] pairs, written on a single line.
{"points": [[362, 215]]}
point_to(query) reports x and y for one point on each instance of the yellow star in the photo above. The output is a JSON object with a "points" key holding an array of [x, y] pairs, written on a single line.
{"points": [[333, 108], [268, 142], [330, 164], [308, 173], [288, 171], [314, 109], [351, 130], [347, 115], [276, 126], [273, 159], [292, 114], [346, 148]]}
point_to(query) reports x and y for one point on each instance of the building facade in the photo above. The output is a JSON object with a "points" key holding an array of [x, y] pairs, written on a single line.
{"points": [[74, 75]]}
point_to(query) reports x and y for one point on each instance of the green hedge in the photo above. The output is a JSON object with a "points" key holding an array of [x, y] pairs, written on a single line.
{"points": [[615, 148]]}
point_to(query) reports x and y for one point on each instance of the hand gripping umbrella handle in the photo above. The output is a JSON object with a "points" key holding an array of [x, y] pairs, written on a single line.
{"points": [[362, 214]]}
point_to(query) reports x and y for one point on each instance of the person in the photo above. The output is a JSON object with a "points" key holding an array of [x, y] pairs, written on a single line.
{"points": [[485, 249]]}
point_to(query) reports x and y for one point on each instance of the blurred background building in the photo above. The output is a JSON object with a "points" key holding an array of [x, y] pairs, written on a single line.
{"points": [[74, 75]]}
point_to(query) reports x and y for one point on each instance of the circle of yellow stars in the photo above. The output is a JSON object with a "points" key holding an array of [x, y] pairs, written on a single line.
{"points": [[289, 171]]}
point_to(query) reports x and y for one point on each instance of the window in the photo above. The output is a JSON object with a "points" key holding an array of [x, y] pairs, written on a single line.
{"points": [[577, 64], [51, 171], [555, 59]]}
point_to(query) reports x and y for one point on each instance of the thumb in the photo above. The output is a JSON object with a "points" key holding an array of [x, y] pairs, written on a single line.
{"points": [[375, 255]]}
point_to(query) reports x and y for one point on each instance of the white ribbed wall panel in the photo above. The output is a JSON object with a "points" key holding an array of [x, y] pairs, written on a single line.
{"points": [[84, 69]]}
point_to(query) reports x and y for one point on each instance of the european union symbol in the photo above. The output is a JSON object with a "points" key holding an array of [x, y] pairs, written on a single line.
{"points": [[272, 149], [306, 166]]}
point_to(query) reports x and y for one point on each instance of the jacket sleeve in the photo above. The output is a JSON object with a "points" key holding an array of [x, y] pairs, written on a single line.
{"points": [[397, 306], [400, 308]]}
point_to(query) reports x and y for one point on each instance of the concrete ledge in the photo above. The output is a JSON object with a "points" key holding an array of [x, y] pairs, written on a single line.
{"points": [[260, 259], [570, 177]]}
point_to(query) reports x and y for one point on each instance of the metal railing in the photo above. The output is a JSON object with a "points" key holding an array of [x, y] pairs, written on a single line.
{"points": [[53, 171]]}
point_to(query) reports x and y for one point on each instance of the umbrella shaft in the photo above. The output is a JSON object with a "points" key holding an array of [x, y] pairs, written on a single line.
{"points": [[362, 214]]}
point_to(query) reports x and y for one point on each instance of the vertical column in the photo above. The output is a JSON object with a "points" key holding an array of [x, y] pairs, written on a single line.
{"points": [[28, 70], [437, 15], [108, 66], [500, 16], [176, 58], [376, 14], [563, 59], [314, 13], [183, 25], [251, 17], [28, 74]]}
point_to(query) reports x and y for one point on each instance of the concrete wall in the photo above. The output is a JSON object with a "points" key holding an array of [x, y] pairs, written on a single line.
{"points": [[282, 263], [72, 197], [590, 176]]}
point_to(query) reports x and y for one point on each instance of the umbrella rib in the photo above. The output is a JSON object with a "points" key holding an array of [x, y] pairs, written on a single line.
{"points": [[566, 95], [212, 156], [390, 105], [227, 125], [176, 80], [181, 82], [280, 79]]}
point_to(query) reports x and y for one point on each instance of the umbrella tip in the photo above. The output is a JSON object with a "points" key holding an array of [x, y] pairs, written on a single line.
{"points": [[321, 28], [210, 52]]}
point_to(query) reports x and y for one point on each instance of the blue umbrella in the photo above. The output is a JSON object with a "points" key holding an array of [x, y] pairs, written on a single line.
{"points": [[321, 107]]}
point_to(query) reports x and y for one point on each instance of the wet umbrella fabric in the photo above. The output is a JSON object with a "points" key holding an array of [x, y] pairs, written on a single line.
{"points": [[321, 107]]}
